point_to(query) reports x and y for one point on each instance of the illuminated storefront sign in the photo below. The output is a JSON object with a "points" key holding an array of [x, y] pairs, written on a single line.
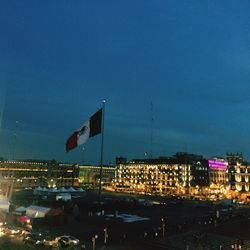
{"points": [[217, 164]]}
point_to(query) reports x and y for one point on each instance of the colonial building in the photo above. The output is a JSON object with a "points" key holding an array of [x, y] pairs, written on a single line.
{"points": [[35, 173], [238, 176], [90, 175], [149, 176], [195, 170], [183, 173], [218, 176], [234, 163], [241, 183]]}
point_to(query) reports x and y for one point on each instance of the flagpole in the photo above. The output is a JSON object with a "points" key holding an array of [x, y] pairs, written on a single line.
{"points": [[102, 144]]}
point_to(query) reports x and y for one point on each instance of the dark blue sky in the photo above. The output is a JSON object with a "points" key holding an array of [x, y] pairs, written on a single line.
{"points": [[60, 58]]}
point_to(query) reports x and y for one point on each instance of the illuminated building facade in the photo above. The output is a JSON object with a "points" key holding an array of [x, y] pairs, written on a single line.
{"points": [[181, 174], [241, 183], [218, 175], [176, 175], [39, 173], [90, 175], [234, 163], [195, 170], [147, 177], [238, 175]]}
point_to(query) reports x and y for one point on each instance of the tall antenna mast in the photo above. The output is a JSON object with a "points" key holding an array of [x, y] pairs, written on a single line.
{"points": [[151, 129], [14, 142]]}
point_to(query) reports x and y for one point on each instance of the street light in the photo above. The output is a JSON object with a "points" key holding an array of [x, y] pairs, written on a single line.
{"points": [[93, 240], [105, 235], [163, 227]]}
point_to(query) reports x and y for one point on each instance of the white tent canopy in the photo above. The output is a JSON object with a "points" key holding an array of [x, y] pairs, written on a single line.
{"points": [[53, 190], [43, 190], [62, 189], [39, 189], [21, 209], [36, 211], [80, 190], [71, 189], [4, 205], [63, 197]]}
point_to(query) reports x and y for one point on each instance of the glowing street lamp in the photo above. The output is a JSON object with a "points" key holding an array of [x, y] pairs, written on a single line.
{"points": [[93, 241], [105, 235], [163, 227]]}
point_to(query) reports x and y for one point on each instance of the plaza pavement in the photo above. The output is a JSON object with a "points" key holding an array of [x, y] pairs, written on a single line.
{"points": [[194, 240]]}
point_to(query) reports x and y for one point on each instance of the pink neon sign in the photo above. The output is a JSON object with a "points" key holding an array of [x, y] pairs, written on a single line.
{"points": [[217, 164]]}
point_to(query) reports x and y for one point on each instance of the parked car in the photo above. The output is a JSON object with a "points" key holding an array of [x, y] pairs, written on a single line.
{"points": [[34, 239], [49, 241], [67, 240], [10, 230]]}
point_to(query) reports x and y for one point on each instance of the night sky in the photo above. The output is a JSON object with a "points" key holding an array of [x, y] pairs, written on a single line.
{"points": [[59, 59]]}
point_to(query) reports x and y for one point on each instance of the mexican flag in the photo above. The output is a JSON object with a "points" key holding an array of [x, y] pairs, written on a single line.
{"points": [[89, 129]]}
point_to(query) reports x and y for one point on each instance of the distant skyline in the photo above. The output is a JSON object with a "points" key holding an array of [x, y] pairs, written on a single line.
{"points": [[60, 59]]}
